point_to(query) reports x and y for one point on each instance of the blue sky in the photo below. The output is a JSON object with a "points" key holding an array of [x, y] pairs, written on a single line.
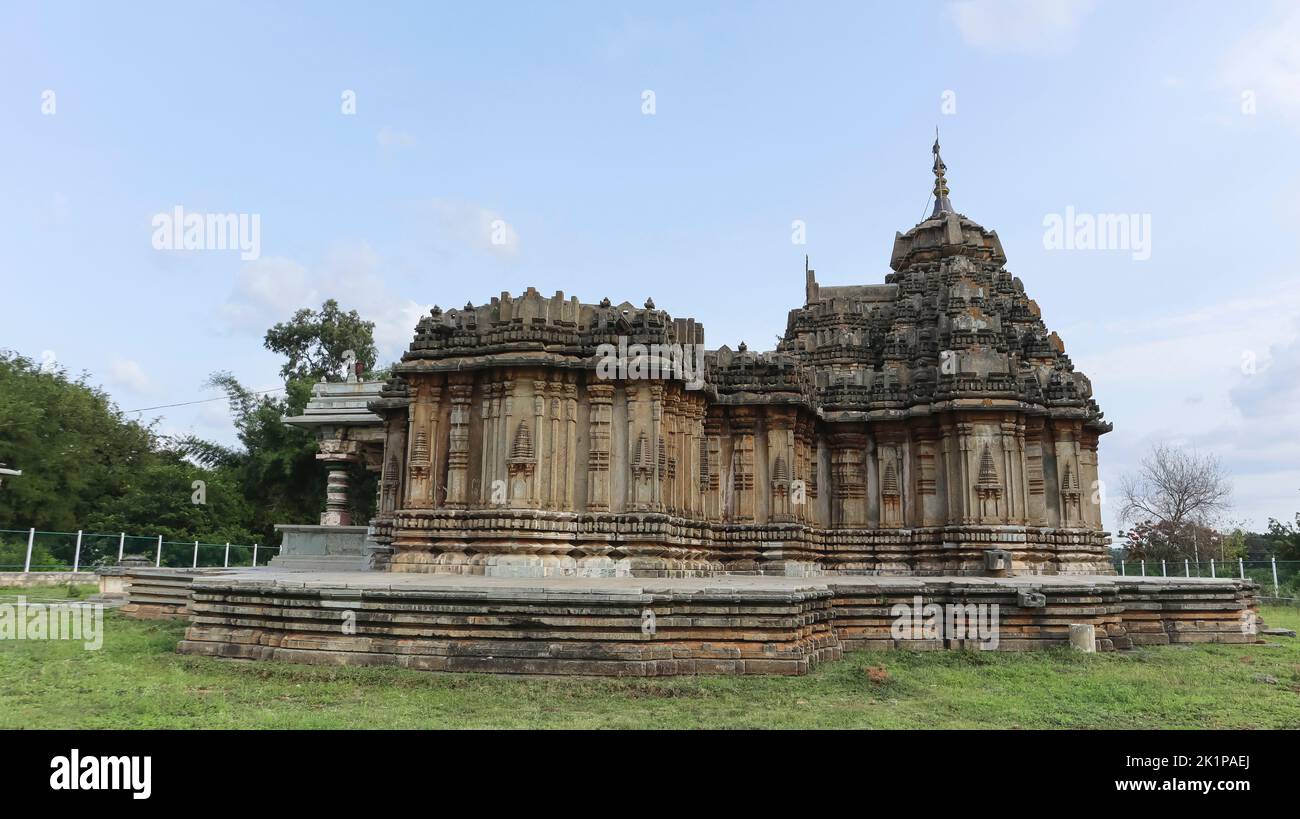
{"points": [[531, 116]]}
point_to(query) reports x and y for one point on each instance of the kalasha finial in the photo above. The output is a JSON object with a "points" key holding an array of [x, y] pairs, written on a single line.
{"points": [[941, 202]]}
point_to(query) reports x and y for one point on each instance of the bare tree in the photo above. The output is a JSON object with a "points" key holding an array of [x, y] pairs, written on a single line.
{"points": [[1177, 489]]}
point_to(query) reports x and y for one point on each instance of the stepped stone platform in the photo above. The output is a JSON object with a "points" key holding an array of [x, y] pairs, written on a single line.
{"points": [[155, 593], [720, 625]]}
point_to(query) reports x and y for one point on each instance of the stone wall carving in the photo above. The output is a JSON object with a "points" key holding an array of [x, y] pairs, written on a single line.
{"points": [[903, 427]]}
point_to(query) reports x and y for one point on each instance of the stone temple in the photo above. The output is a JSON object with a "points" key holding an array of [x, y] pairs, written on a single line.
{"points": [[904, 427], [572, 488]]}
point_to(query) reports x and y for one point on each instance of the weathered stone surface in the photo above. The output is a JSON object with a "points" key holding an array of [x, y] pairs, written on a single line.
{"points": [[1083, 637], [158, 593], [910, 427], [719, 625]]}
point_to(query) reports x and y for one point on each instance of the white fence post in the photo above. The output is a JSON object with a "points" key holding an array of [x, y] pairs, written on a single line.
{"points": [[1163, 571], [196, 555], [158, 560], [254, 555], [227, 563], [1187, 568], [76, 557], [1276, 593], [1122, 571], [31, 538], [1212, 574], [1144, 567], [121, 545], [1241, 564]]}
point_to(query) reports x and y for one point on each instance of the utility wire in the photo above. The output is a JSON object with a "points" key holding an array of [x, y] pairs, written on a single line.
{"points": [[203, 400]]}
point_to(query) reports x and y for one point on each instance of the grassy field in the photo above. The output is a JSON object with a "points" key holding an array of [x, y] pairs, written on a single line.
{"points": [[43, 594], [138, 681]]}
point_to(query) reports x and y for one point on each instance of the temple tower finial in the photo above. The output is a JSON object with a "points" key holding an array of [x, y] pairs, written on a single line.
{"points": [[810, 293], [941, 201]]}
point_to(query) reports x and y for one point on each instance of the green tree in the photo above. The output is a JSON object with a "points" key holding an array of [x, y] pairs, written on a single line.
{"points": [[86, 466], [314, 343], [1284, 538], [163, 499], [75, 448]]}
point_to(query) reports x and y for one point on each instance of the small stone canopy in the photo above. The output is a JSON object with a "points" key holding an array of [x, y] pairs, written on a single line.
{"points": [[346, 432]]}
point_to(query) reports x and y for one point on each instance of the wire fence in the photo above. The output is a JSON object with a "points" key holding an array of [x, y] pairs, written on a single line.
{"points": [[1282, 577], [31, 550]]}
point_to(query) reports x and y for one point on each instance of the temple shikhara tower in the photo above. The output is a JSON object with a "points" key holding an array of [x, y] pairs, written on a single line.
{"points": [[915, 426]]}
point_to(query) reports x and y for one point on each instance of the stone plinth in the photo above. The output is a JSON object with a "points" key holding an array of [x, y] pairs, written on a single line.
{"points": [[308, 547], [721, 625]]}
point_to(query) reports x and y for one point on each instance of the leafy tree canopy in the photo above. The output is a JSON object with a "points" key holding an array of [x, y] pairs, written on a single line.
{"points": [[314, 342], [75, 448]]}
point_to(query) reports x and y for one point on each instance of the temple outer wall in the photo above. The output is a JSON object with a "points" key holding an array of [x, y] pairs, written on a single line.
{"points": [[926, 495]]}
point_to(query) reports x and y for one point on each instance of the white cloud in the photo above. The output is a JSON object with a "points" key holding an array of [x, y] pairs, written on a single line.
{"points": [[1266, 61], [1180, 378], [1272, 387], [475, 227], [1034, 27], [270, 290], [129, 375]]}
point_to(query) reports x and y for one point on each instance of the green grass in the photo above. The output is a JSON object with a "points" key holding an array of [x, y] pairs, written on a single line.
{"points": [[38, 594], [138, 681]]}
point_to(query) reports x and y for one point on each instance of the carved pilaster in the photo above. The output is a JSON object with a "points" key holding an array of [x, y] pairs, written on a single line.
{"points": [[780, 463], [848, 478], [601, 397], [422, 459], [458, 445], [743, 426]]}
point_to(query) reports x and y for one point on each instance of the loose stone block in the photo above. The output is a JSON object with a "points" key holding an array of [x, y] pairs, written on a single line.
{"points": [[1083, 637]]}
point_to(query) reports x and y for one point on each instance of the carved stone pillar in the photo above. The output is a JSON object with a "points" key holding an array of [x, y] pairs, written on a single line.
{"points": [[781, 463], [458, 447], [1066, 434], [743, 426], [1088, 480], [962, 490], [601, 398], [552, 497], [487, 422], [711, 463], [1035, 478], [339, 454], [423, 456], [989, 487], [848, 478], [669, 437], [660, 451], [543, 435], [390, 484], [569, 475], [889, 466], [1067, 471], [927, 473]]}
